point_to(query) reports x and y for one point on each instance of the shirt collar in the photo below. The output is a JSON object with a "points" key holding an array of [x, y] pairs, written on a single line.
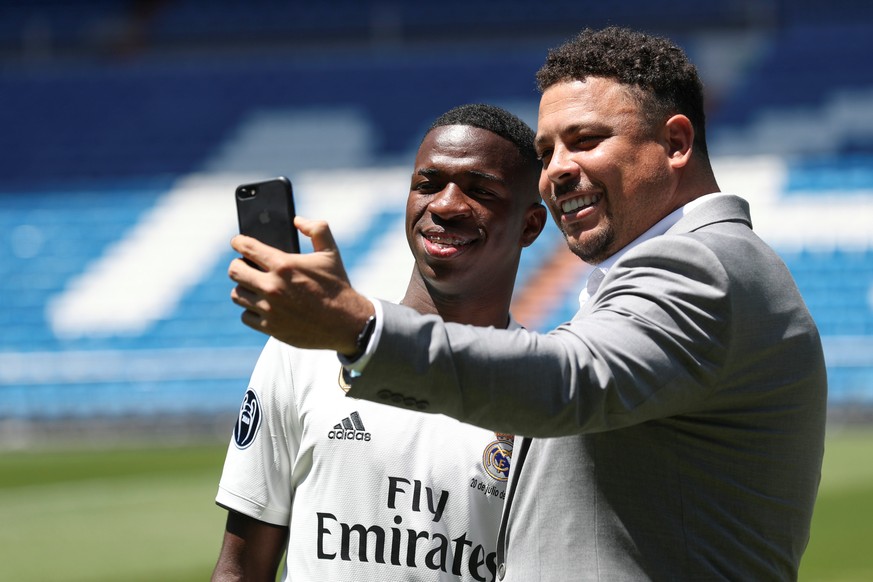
{"points": [[598, 272]]}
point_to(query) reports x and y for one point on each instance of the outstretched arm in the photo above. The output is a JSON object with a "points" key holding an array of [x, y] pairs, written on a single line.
{"points": [[251, 550], [304, 300], [651, 344]]}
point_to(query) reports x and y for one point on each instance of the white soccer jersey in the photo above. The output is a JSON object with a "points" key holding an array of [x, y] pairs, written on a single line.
{"points": [[370, 492]]}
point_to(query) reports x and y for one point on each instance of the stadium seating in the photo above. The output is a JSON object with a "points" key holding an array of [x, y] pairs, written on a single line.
{"points": [[92, 145]]}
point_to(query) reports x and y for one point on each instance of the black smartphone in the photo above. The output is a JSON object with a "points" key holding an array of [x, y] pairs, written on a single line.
{"points": [[266, 212]]}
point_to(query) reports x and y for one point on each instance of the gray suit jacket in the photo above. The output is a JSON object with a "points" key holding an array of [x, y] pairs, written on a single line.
{"points": [[674, 428]]}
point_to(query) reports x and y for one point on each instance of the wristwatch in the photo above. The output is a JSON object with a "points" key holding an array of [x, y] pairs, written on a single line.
{"points": [[363, 338]]}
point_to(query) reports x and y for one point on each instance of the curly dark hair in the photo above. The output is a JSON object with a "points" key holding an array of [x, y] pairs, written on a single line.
{"points": [[666, 82], [496, 120]]}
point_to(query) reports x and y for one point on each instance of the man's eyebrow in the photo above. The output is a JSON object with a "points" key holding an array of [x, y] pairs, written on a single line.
{"points": [[429, 172], [487, 176], [540, 141]]}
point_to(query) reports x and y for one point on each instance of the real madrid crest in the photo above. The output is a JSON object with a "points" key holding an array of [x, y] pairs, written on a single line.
{"points": [[497, 455]]}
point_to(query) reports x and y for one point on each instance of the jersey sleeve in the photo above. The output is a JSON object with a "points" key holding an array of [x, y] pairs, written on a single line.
{"points": [[259, 463]]}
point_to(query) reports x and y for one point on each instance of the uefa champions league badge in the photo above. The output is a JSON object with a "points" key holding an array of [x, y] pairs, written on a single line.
{"points": [[248, 421], [497, 455]]}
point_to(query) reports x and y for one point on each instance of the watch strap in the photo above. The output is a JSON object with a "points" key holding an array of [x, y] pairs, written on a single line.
{"points": [[364, 338]]}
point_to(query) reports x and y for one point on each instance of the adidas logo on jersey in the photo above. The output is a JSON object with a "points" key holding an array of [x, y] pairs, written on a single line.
{"points": [[351, 428]]}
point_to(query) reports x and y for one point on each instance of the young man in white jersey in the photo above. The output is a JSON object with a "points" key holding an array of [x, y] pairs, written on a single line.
{"points": [[353, 490]]}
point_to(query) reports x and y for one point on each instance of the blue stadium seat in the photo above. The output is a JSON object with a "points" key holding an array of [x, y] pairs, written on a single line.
{"points": [[89, 145]]}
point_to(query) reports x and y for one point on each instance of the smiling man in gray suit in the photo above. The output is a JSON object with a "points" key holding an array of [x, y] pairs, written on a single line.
{"points": [[673, 430]]}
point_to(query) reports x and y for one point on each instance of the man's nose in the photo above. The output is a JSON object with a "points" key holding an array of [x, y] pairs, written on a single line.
{"points": [[562, 167], [450, 202]]}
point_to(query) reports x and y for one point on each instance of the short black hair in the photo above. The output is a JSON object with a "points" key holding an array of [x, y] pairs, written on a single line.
{"points": [[496, 120], [666, 80]]}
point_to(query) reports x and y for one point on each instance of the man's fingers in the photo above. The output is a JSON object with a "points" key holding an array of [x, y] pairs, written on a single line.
{"points": [[255, 321], [318, 231], [238, 270], [288, 297], [255, 251], [265, 256], [254, 309], [245, 298]]}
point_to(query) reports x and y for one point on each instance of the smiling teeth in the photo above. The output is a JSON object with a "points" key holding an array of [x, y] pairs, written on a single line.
{"points": [[577, 203], [440, 240]]}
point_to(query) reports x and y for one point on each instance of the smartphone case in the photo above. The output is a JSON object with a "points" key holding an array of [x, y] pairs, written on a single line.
{"points": [[266, 212]]}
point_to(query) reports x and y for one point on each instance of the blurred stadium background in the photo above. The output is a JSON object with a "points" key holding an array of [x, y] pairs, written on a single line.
{"points": [[126, 124]]}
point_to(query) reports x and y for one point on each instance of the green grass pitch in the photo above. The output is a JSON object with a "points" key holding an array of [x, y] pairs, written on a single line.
{"points": [[129, 514], [139, 514], [841, 541]]}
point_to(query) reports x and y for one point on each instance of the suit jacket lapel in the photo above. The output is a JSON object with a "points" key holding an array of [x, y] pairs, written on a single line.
{"points": [[518, 456]]}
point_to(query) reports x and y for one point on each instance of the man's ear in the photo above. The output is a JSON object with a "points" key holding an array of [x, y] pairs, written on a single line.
{"points": [[534, 221], [679, 136]]}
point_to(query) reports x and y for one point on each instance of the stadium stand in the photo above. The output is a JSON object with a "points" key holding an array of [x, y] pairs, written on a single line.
{"points": [[127, 125]]}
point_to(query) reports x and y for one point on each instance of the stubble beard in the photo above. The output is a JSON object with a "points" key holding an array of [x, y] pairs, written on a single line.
{"points": [[596, 246]]}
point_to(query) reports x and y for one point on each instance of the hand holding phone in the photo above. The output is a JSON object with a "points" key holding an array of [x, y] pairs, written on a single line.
{"points": [[266, 212]]}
